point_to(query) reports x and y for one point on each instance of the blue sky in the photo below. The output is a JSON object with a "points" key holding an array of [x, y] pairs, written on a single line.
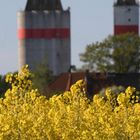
{"points": [[91, 21]]}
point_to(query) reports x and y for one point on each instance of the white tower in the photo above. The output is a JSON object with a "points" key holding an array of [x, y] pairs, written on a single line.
{"points": [[44, 35], [126, 17]]}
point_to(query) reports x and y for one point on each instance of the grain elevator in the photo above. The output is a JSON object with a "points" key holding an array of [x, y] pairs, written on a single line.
{"points": [[44, 35]]}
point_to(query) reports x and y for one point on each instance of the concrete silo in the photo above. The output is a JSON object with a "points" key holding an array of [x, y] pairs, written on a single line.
{"points": [[126, 16], [44, 35]]}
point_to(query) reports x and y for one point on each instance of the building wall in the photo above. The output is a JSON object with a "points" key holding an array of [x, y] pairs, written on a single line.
{"points": [[126, 19], [44, 36]]}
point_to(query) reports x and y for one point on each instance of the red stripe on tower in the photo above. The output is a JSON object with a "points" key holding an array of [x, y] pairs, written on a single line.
{"points": [[119, 29], [62, 33]]}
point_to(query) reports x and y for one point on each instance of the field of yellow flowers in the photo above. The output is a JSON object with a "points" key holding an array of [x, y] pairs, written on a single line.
{"points": [[26, 115]]}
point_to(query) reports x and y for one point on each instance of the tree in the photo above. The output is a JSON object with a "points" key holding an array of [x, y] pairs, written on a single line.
{"points": [[42, 77], [120, 54]]}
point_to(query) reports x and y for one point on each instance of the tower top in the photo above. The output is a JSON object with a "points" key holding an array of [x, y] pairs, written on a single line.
{"points": [[126, 2], [40, 5]]}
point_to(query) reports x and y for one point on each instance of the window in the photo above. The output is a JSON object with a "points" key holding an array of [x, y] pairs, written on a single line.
{"points": [[129, 19], [129, 9]]}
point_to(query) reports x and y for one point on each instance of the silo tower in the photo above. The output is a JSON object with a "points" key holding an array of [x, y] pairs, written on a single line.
{"points": [[44, 35], [126, 16]]}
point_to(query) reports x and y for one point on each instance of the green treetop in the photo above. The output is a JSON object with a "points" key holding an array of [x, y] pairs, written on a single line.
{"points": [[120, 54]]}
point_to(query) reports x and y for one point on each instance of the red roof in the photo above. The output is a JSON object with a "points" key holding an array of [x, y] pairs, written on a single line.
{"points": [[65, 80]]}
